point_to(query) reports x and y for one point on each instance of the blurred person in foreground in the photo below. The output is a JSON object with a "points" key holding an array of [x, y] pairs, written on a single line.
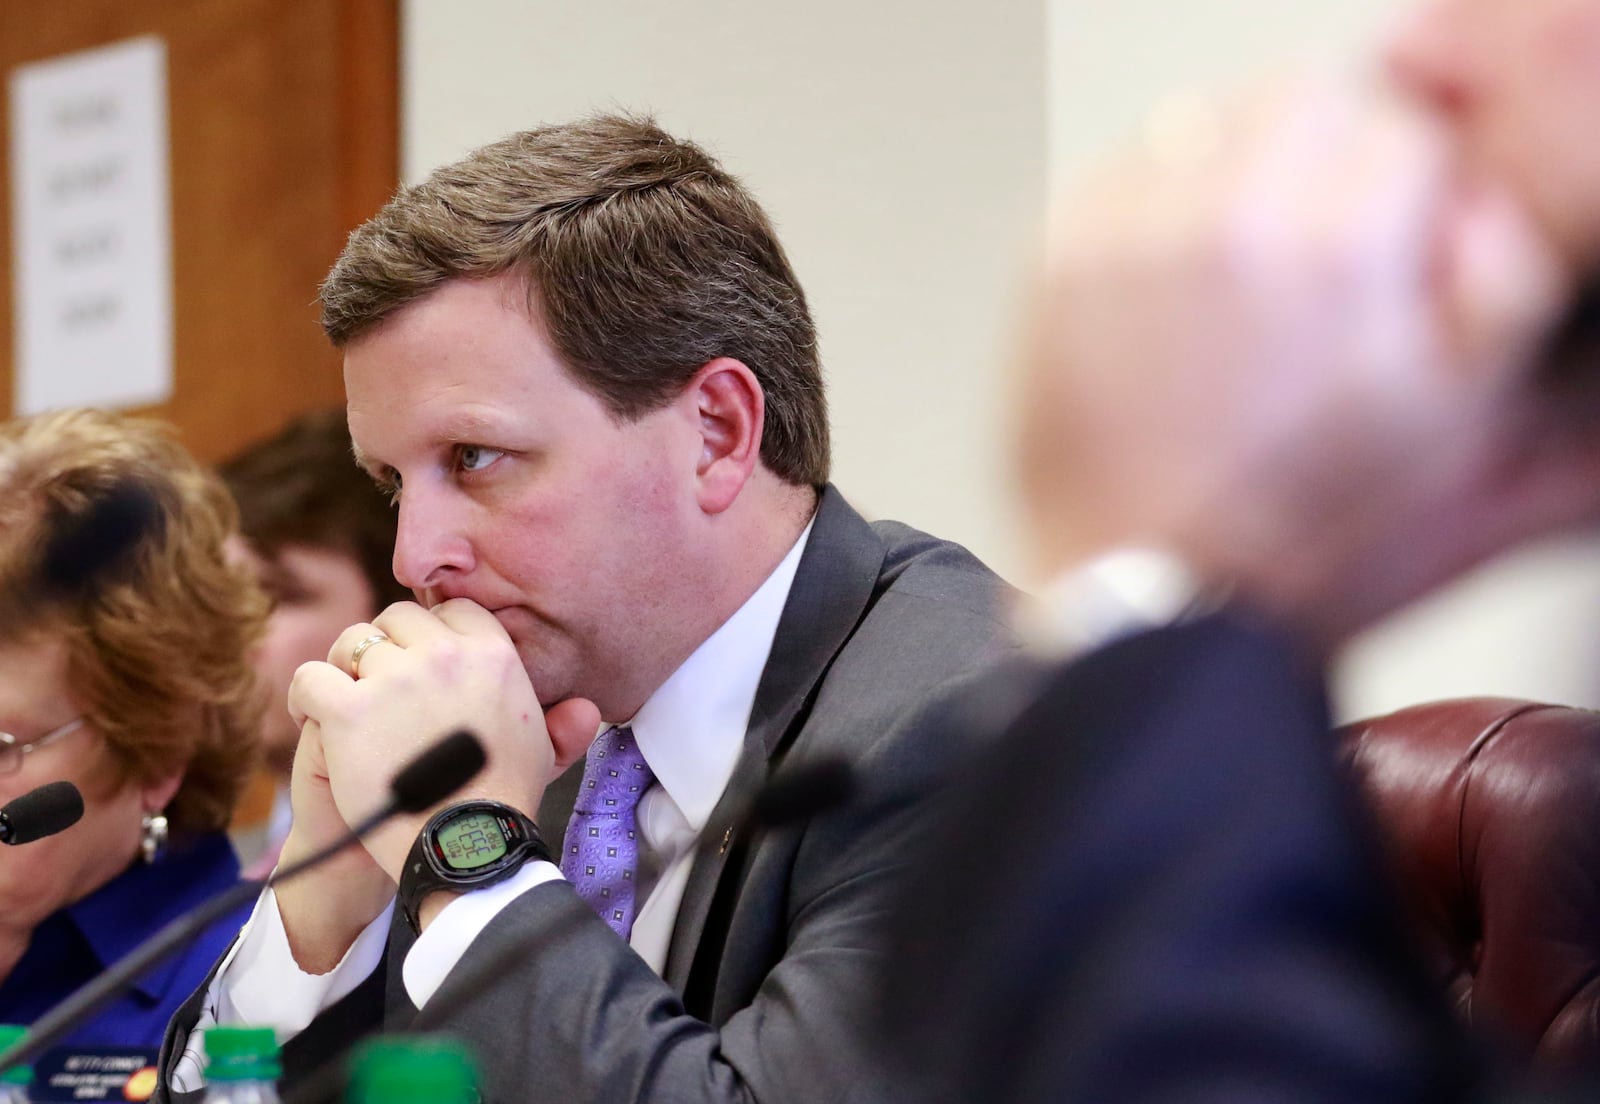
{"points": [[1291, 367], [320, 537], [583, 365], [135, 684]]}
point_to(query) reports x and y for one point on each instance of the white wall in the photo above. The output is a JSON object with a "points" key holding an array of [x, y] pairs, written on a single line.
{"points": [[899, 145], [1113, 60], [904, 149], [1527, 626]]}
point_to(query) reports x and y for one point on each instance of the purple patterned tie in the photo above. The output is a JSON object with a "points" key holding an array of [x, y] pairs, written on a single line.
{"points": [[600, 855]]}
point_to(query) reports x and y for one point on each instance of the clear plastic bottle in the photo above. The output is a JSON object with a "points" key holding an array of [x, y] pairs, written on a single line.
{"points": [[14, 1082], [413, 1069], [242, 1066]]}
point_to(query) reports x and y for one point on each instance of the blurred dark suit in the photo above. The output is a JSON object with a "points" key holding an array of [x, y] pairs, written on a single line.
{"points": [[1161, 887]]}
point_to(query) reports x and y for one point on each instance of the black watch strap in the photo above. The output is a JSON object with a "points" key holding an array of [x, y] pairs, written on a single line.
{"points": [[441, 855]]}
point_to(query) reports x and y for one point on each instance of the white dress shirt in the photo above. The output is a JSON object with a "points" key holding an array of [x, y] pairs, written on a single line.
{"points": [[690, 732], [1115, 594]]}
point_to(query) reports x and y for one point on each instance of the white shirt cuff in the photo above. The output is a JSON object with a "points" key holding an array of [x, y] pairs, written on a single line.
{"points": [[260, 984], [437, 950], [264, 986]]}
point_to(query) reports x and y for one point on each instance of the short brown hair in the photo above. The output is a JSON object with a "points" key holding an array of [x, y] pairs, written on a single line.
{"points": [[301, 486], [645, 258], [158, 646]]}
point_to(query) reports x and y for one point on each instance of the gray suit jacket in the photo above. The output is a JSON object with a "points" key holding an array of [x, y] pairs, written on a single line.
{"points": [[769, 977]]}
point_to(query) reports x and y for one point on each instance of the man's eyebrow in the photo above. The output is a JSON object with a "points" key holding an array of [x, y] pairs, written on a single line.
{"points": [[465, 427], [468, 426]]}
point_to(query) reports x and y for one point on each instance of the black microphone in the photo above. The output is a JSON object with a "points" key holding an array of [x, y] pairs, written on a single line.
{"points": [[92, 544], [790, 795], [53, 807], [437, 773], [429, 778], [794, 793], [83, 546]]}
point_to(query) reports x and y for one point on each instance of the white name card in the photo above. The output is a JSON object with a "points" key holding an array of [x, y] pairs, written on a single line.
{"points": [[92, 229]]}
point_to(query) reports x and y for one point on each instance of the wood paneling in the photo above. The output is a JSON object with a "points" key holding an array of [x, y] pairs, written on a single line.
{"points": [[284, 126]]}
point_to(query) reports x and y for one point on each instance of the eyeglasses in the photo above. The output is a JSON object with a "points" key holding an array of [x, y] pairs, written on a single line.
{"points": [[11, 751]]}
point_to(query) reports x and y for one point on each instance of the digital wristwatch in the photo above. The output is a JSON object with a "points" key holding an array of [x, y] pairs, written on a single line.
{"points": [[467, 846]]}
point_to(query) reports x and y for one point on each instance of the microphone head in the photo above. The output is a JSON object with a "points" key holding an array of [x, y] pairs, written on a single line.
{"points": [[92, 544], [53, 807], [799, 792], [438, 772]]}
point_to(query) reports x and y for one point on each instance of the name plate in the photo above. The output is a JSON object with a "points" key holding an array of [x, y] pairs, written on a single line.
{"points": [[101, 1073]]}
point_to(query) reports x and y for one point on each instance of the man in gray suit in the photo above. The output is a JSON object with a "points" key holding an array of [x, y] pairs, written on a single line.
{"points": [[581, 364]]}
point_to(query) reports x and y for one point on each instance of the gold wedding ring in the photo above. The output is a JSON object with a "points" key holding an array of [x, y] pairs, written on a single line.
{"points": [[361, 650]]}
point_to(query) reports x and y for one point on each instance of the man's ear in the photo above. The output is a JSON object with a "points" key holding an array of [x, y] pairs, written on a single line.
{"points": [[731, 408]]}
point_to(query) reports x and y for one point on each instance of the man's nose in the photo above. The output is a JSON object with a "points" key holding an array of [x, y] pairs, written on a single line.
{"points": [[431, 543]]}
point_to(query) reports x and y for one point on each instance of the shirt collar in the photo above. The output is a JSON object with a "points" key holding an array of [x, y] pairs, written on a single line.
{"points": [[691, 730], [1120, 592], [121, 914]]}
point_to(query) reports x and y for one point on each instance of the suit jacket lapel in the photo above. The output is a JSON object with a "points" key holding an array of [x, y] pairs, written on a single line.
{"points": [[833, 588], [555, 808]]}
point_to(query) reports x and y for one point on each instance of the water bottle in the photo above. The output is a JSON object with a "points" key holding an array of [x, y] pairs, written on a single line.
{"points": [[15, 1081], [242, 1065], [413, 1069]]}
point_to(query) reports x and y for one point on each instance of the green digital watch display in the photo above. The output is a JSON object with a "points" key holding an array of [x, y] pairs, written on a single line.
{"points": [[467, 846], [471, 841]]}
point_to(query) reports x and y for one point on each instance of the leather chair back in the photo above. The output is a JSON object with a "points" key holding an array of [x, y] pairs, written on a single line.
{"points": [[1490, 809]]}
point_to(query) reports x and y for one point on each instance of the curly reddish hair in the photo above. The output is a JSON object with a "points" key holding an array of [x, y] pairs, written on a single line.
{"points": [[158, 642]]}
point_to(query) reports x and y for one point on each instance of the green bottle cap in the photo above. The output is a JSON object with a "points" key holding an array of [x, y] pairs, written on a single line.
{"points": [[415, 1069], [242, 1054], [10, 1034]]}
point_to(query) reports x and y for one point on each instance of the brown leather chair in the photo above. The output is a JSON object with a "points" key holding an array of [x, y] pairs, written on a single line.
{"points": [[1491, 812]]}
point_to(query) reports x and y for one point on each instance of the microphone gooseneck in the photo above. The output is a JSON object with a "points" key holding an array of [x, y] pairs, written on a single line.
{"points": [[430, 777], [790, 795], [53, 807], [438, 772]]}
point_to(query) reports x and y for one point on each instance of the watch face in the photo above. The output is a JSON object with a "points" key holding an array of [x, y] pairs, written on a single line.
{"points": [[470, 842]]}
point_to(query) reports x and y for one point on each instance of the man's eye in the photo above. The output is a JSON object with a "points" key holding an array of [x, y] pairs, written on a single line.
{"points": [[476, 457]]}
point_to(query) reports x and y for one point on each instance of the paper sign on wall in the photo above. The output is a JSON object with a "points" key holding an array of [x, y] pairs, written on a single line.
{"points": [[91, 226]]}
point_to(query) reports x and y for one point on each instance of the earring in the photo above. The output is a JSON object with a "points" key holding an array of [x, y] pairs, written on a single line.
{"points": [[152, 836]]}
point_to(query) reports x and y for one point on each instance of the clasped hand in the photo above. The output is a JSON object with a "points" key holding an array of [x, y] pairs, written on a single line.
{"points": [[438, 670]]}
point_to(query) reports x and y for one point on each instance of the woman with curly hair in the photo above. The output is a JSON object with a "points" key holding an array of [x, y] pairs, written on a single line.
{"points": [[135, 684]]}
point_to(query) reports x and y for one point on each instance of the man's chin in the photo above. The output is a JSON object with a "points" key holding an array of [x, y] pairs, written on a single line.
{"points": [[551, 692], [550, 683], [550, 660]]}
